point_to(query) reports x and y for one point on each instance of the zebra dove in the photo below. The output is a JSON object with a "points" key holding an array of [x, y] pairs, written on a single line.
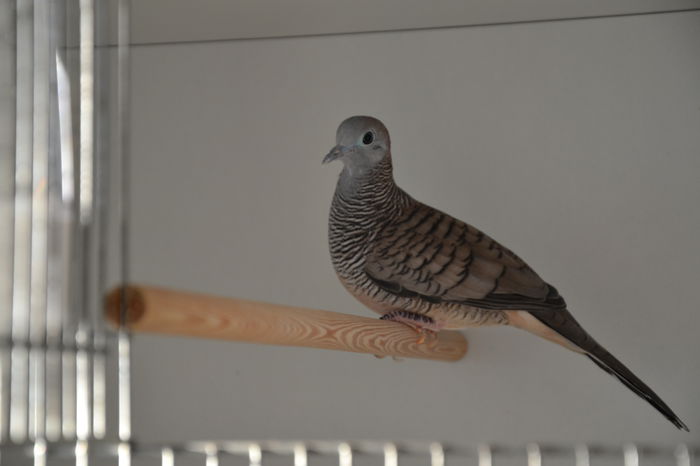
{"points": [[416, 265]]}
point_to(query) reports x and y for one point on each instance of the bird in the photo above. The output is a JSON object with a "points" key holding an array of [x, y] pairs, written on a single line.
{"points": [[416, 265]]}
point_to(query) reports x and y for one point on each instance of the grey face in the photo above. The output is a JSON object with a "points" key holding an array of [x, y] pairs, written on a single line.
{"points": [[361, 143]]}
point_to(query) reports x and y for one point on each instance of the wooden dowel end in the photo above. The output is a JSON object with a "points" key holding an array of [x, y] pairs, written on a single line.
{"points": [[158, 310]]}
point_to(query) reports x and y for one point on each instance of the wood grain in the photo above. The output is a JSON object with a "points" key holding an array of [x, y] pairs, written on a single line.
{"points": [[163, 311]]}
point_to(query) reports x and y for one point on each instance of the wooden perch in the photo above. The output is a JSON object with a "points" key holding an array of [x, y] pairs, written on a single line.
{"points": [[157, 310]]}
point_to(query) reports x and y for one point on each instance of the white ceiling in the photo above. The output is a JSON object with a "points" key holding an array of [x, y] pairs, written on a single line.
{"points": [[163, 21]]}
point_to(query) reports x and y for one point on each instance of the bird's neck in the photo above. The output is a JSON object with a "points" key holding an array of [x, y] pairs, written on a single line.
{"points": [[364, 181], [372, 194]]}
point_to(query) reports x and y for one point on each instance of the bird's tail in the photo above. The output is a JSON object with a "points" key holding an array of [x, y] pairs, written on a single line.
{"points": [[564, 324]]}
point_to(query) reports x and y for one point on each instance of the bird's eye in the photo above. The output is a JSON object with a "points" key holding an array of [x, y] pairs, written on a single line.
{"points": [[368, 138]]}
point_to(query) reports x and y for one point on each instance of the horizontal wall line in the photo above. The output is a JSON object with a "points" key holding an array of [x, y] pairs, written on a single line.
{"points": [[416, 29]]}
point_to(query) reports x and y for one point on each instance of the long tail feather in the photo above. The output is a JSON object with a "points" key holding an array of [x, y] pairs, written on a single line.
{"points": [[565, 325]]}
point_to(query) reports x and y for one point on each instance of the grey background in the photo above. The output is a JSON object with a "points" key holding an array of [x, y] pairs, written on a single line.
{"points": [[573, 143], [167, 21]]}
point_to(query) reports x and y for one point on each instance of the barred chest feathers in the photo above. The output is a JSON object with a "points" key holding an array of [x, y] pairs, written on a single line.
{"points": [[357, 214]]}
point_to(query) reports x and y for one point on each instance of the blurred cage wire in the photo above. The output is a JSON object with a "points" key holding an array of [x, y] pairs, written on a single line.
{"points": [[63, 236], [62, 137]]}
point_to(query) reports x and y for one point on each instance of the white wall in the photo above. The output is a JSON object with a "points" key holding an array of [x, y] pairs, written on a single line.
{"points": [[574, 143], [158, 21]]}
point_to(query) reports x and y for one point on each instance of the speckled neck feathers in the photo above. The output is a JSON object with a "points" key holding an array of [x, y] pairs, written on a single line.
{"points": [[361, 206]]}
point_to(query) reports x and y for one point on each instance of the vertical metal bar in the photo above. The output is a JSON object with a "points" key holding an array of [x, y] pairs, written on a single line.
{"points": [[39, 452], [83, 338], [124, 359], [70, 138], [68, 397], [212, 455], [682, 454], [40, 204], [582, 455], [485, 455], [82, 370], [631, 455], [344, 454], [23, 223], [391, 455], [81, 453], [99, 389], [123, 80], [52, 373], [167, 457], [8, 122], [534, 455], [5, 367], [124, 454], [100, 219], [59, 193], [437, 454], [254, 455], [301, 455], [87, 93]]}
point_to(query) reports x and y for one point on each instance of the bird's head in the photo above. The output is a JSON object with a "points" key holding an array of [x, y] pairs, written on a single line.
{"points": [[361, 143]]}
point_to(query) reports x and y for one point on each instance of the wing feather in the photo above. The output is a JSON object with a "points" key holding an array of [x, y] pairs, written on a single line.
{"points": [[435, 257]]}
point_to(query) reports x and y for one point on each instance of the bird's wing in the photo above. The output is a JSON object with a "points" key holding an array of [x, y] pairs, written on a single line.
{"points": [[435, 257]]}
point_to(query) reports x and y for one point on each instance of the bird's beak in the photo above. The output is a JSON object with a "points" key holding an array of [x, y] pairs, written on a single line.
{"points": [[335, 153]]}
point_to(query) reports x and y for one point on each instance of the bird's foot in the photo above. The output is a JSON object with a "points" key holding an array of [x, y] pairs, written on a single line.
{"points": [[426, 335], [426, 327]]}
